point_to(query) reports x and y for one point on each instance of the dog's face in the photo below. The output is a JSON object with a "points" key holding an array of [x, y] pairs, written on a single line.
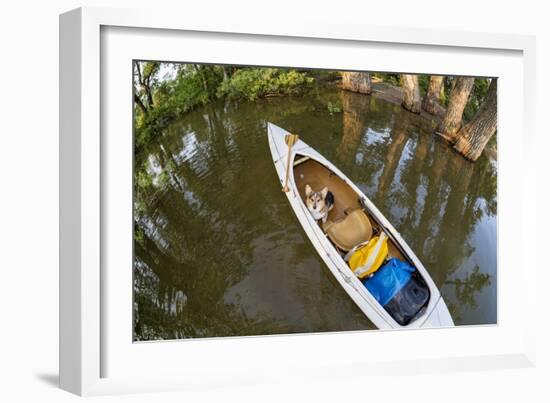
{"points": [[315, 200]]}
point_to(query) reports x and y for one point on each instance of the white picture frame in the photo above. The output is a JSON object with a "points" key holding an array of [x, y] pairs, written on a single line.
{"points": [[97, 355]]}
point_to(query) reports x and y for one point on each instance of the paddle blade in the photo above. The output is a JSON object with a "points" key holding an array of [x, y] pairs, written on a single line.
{"points": [[291, 139]]}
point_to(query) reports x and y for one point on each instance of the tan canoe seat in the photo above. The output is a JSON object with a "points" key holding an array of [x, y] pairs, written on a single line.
{"points": [[353, 229]]}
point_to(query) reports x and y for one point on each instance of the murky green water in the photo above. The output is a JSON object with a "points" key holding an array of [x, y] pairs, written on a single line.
{"points": [[219, 252]]}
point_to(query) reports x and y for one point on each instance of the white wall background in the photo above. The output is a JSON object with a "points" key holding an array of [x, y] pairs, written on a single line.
{"points": [[29, 195]]}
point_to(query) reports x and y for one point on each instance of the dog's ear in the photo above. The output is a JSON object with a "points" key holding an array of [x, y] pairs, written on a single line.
{"points": [[324, 192], [308, 190]]}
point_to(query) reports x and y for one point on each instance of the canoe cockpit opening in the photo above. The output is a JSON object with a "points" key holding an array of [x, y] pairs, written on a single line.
{"points": [[352, 228], [298, 161], [348, 223], [307, 171]]}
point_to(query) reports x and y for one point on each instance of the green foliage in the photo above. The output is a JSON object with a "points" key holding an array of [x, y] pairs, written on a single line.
{"points": [[193, 86], [390, 78], [143, 179], [197, 85], [150, 69], [477, 96], [334, 107], [445, 92], [423, 82], [395, 80], [325, 75], [253, 83]]}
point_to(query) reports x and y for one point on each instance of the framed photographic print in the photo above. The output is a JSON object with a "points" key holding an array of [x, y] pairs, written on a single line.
{"points": [[236, 200]]}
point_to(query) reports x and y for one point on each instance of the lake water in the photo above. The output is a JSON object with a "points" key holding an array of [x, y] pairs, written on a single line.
{"points": [[219, 252]]}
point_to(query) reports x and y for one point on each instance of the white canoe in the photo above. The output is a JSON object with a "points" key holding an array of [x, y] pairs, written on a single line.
{"points": [[308, 165]]}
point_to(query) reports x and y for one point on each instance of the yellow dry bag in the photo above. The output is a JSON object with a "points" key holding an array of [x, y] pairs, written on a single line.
{"points": [[370, 257]]}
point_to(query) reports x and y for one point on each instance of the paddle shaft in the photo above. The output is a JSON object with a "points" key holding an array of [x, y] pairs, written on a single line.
{"points": [[290, 140]]}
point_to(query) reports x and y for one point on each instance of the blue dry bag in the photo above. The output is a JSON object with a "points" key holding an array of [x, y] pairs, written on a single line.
{"points": [[388, 280]]}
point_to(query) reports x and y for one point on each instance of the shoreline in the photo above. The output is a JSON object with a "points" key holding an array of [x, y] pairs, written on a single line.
{"points": [[394, 95]]}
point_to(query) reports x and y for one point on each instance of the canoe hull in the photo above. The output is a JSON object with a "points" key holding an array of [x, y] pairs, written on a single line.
{"points": [[436, 314]]}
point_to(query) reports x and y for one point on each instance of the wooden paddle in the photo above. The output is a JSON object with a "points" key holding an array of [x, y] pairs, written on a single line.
{"points": [[290, 140]]}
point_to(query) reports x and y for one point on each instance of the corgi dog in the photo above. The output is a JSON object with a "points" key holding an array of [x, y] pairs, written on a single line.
{"points": [[319, 203]]}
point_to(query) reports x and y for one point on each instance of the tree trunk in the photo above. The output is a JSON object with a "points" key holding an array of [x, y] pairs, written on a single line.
{"points": [[138, 70], [473, 137], [452, 121], [357, 82], [144, 81], [200, 72], [138, 102], [431, 100], [411, 98]]}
